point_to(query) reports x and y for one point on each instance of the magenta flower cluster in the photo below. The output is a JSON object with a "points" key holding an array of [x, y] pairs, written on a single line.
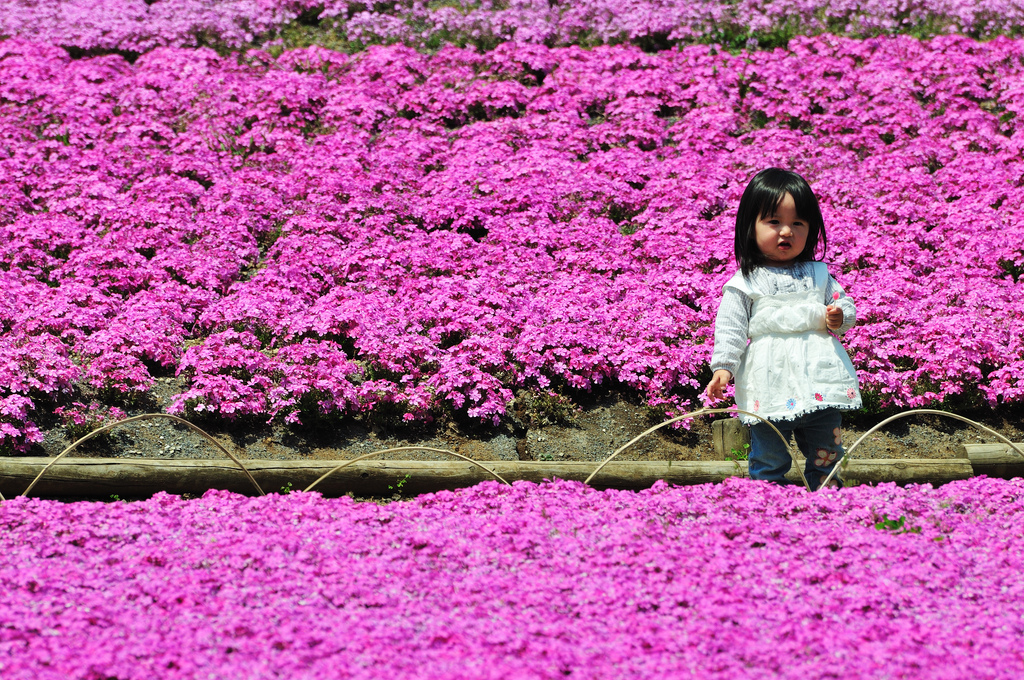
{"points": [[738, 580], [322, 233], [80, 419], [660, 23], [140, 25]]}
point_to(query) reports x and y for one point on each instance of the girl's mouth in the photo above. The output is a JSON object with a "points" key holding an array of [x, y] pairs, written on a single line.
{"points": [[785, 245]]}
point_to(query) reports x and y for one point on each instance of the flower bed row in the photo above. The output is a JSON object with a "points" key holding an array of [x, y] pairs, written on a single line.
{"points": [[738, 580], [403, 234], [137, 26]]}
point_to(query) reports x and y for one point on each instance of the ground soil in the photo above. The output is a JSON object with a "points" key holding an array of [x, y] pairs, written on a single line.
{"points": [[602, 424]]}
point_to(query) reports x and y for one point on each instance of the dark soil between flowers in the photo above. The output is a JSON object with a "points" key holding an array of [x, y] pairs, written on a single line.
{"points": [[600, 426]]}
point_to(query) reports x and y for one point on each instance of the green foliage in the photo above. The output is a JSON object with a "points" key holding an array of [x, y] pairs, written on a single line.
{"points": [[736, 37], [738, 454], [1013, 270], [872, 403], [399, 483], [896, 526], [537, 408], [326, 34]]}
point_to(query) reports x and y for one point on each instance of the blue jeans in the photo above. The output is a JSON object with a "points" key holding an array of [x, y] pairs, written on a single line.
{"points": [[817, 436]]}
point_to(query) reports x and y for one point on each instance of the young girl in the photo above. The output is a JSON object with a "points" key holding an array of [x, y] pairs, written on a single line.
{"points": [[793, 371]]}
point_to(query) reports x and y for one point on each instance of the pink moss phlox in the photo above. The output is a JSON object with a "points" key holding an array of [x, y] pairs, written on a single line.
{"points": [[449, 228], [138, 26], [733, 581]]}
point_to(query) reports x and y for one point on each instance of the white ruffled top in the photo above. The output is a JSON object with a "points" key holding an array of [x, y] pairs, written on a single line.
{"points": [[792, 364]]}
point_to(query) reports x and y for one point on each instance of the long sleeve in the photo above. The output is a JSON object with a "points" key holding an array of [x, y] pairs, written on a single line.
{"points": [[731, 330], [844, 302]]}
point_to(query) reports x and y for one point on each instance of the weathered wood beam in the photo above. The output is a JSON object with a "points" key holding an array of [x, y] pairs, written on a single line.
{"points": [[994, 460], [134, 478]]}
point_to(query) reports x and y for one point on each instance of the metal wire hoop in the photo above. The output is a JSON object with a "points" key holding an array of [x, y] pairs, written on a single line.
{"points": [[144, 416], [694, 414], [405, 448], [921, 411]]}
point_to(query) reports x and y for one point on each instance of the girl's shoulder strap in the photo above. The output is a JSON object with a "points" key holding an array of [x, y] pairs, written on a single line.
{"points": [[820, 274], [740, 283]]}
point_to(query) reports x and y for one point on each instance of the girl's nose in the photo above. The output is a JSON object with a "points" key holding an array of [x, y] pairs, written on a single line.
{"points": [[786, 230]]}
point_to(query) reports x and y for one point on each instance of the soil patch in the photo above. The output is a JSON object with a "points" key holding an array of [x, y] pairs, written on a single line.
{"points": [[593, 433]]}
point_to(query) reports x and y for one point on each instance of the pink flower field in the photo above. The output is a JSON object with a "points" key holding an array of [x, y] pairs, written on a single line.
{"points": [[409, 235], [306, 212], [140, 25], [738, 580]]}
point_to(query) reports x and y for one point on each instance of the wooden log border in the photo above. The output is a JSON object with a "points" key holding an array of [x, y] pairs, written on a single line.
{"points": [[103, 478], [994, 460]]}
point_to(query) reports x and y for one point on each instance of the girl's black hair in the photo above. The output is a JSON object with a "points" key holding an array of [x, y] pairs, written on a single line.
{"points": [[762, 197]]}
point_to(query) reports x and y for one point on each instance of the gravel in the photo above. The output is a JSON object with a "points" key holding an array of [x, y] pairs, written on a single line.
{"points": [[598, 429]]}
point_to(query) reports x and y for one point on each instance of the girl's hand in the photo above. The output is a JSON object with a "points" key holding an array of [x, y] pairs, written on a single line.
{"points": [[834, 317], [718, 382]]}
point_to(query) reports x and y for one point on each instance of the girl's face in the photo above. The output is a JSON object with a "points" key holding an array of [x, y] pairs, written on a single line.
{"points": [[781, 237]]}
